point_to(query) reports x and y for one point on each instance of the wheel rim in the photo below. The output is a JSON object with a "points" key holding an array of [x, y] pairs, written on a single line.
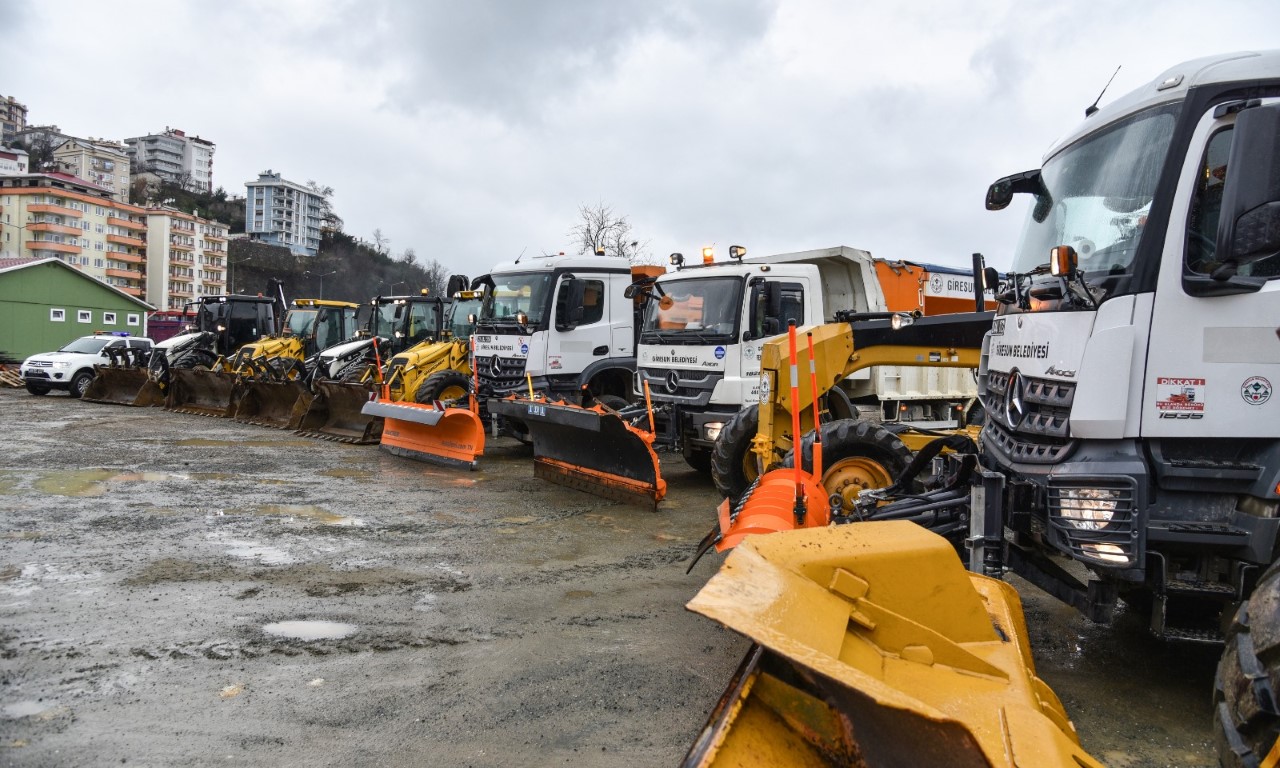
{"points": [[849, 477], [750, 467], [454, 392]]}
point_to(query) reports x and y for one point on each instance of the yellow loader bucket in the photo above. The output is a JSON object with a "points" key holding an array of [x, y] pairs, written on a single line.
{"points": [[122, 386], [202, 392], [270, 403], [334, 414], [453, 437], [874, 647], [589, 449]]}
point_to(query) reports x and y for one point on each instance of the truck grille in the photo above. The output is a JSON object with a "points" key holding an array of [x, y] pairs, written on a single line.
{"points": [[1031, 424], [690, 388], [501, 374]]}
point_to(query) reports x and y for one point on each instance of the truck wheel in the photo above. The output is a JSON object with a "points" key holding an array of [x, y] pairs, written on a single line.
{"points": [[37, 389], [612, 401], [699, 459], [196, 358], [1246, 709], [80, 383], [733, 466], [856, 455], [443, 385]]}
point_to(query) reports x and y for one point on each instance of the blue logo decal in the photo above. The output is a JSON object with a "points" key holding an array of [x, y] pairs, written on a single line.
{"points": [[524, 349], [719, 353]]}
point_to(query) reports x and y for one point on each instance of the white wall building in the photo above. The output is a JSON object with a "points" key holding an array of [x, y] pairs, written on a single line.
{"points": [[186, 258], [102, 162], [174, 156], [280, 212]]}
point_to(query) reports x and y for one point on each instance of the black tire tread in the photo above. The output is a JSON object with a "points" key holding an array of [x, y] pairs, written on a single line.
{"points": [[728, 452], [846, 438], [1245, 703], [431, 387]]}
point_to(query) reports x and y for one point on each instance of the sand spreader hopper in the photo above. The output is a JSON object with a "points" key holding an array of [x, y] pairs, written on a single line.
{"points": [[591, 449]]}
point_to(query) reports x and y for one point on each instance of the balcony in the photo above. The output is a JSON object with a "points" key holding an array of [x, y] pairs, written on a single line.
{"points": [[177, 246], [127, 258], [214, 281], [123, 240], [126, 223], [184, 290], [216, 237], [50, 208], [130, 274], [49, 245], [129, 289], [62, 229]]}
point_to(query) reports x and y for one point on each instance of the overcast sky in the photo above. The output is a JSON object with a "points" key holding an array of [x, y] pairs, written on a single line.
{"points": [[472, 131]]}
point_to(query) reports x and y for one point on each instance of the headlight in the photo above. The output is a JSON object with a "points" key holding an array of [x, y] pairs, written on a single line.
{"points": [[1088, 509], [712, 429], [62, 364]]}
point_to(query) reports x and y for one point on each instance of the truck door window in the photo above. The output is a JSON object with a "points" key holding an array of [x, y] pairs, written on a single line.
{"points": [[593, 302], [792, 303], [1206, 205]]}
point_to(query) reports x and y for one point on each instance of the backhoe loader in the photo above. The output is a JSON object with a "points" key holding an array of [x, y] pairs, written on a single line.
{"points": [[346, 376]]}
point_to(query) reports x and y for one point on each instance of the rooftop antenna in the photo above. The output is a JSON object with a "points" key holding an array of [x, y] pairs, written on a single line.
{"points": [[1089, 110], [521, 256]]}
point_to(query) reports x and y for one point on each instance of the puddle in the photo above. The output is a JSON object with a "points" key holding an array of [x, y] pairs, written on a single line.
{"points": [[303, 511], [311, 630], [24, 709], [264, 554], [145, 477], [90, 482], [8, 484], [344, 472], [204, 442]]}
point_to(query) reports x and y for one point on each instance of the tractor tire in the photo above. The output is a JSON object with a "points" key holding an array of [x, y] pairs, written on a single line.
{"points": [[699, 459], [612, 401], [733, 466], [196, 358], [80, 383], [1245, 690], [443, 385], [37, 389], [856, 455]]}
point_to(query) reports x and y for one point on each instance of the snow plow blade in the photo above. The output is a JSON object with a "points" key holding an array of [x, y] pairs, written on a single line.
{"points": [[873, 646], [271, 403], [121, 386], [202, 392], [453, 437], [589, 449], [334, 414]]}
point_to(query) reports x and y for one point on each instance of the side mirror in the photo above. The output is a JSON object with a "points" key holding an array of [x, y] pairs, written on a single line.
{"points": [[1249, 227], [764, 311], [1001, 193], [990, 279], [569, 304], [630, 291], [1063, 261]]}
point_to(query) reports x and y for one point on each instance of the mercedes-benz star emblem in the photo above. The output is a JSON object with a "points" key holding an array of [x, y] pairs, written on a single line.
{"points": [[495, 367], [1014, 407], [673, 381]]}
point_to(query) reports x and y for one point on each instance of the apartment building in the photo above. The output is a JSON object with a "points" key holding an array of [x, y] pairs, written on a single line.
{"points": [[175, 157], [281, 212], [13, 160], [186, 257], [13, 117], [102, 162], [57, 215]]}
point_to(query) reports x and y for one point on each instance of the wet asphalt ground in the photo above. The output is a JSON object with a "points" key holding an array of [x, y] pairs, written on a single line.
{"points": [[180, 590]]}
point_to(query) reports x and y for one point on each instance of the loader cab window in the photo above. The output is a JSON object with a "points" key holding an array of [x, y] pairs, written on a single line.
{"points": [[421, 323], [245, 322], [329, 328], [299, 322]]}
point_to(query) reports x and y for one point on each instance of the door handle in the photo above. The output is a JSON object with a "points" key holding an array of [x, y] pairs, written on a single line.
{"points": [[601, 350]]}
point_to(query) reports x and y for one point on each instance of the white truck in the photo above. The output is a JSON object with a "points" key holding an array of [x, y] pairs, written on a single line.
{"points": [[704, 325], [559, 324]]}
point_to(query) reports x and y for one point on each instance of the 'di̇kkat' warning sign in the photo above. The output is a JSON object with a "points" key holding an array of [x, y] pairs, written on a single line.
{"points": [[1182, 395]]}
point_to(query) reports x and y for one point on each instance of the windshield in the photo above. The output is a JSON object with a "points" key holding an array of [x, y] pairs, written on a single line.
{"points": [[524, 292], [298, 322], [694, 308], [89, 346], [1095, 197], [461, 327], [384, 320]]}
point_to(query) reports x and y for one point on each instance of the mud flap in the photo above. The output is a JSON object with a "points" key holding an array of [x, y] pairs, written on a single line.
{"points": [[270, 403], [121, 386], [453, 437], [875, 647], [202, 392], [589, 449], [334, 414]]}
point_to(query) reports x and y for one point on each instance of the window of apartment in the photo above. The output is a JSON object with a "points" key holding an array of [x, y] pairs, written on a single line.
{"points": [[97, 246], [85, 225], [98, 210], [131, 319], [84, 316], [57, 315], [97, 263], [98, 228], [109, 318]]}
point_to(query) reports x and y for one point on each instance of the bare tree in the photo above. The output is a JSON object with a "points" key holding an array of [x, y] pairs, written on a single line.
{"points": [[409, 257], [599, 230], [381, 242], [437, 278], [328, 219]]}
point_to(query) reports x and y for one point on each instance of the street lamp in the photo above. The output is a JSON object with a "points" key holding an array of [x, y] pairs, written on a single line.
{"points": [[322, 276], [393, 287], [231, 272]]}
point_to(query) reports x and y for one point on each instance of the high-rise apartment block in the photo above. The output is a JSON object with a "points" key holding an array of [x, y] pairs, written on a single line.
{"points": [[175, 157], [281, 212], [58, 215], [102, 162], [186, 258], [13, 117]]}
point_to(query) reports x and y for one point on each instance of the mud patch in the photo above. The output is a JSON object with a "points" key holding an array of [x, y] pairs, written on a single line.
{"points": [[293, 512], [204, 442], [77, 482], [314, 580], [140, 523], [347, 472]]}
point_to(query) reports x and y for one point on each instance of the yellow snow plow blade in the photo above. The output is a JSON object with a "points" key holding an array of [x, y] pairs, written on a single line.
{"points": [[874, 647], [121, 385], [589, 449], [271, 403], [202, 392], [334, 414], [433, 433]]}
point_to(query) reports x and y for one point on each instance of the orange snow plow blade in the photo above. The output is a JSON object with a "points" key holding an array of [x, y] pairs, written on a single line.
{"points": [[334, 414], [770, 506], [589, 449], [453, 437], [874, 647]]}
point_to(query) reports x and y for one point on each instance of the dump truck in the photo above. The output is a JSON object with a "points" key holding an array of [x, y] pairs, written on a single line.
{"points": [[347, 375], [704, 325], [1127, 377]]}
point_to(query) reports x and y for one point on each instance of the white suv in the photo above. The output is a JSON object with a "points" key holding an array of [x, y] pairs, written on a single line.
{"points": [[71, 368]]}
